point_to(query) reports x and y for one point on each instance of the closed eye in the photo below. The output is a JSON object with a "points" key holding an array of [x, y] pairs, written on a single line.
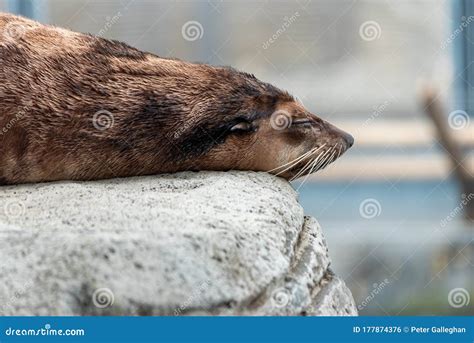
{"points": [[302, 121], [243, 126]]}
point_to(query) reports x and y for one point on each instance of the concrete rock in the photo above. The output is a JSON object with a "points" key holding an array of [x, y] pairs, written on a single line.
{"points": [[207, 243]]}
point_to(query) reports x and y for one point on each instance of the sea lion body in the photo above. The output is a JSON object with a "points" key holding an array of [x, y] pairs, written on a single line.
{"points": [[78, 107]]}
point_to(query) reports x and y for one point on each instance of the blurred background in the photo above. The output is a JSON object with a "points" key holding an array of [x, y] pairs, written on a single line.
{"points": [[395, 209]]}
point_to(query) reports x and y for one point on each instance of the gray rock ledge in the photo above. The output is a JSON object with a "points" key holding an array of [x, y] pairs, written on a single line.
{"points": [[208, 243]]}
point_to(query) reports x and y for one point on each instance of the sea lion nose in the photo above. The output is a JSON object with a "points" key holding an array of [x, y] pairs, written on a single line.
{"points": [[339, 134], [348, 139]]}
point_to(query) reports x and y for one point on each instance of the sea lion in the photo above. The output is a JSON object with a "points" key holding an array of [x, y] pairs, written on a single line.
{"points": [[78, 107]]}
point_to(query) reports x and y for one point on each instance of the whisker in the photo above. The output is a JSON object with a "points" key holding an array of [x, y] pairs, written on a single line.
{"points": [[333, 158], [292, 161], [295, 163], [306, 166], [330, 159], [319, 162], [302, 170], [325, 162], [313, 162], [323, 159], [308, 174]]}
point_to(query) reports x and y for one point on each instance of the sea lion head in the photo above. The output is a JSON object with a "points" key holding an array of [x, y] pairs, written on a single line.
{"points": [[115, 111], [256, 126]]}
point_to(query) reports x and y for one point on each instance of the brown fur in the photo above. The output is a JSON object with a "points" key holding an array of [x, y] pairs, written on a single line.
{"points": [[168, 115]]}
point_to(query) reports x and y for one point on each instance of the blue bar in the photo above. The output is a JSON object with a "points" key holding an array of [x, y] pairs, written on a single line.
{"points": [[239, 329]]}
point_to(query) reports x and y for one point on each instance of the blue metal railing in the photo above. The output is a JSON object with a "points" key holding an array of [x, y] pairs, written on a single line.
{"points": [[463, 14], [34, 9]]}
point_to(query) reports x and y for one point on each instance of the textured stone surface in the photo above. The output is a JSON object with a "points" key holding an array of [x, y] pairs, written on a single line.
{"points": [[233, 243]]}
